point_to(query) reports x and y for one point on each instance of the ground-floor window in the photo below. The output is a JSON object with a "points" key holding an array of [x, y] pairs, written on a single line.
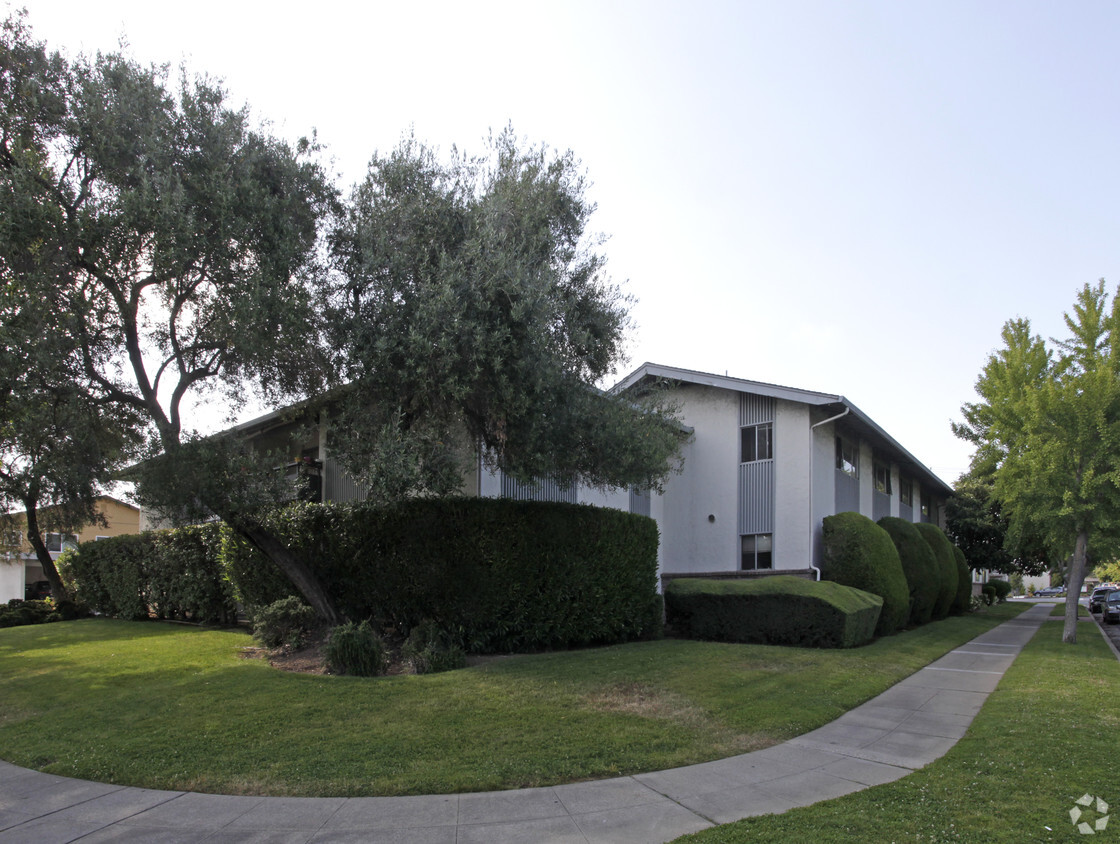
{"points": [[758, 552]]}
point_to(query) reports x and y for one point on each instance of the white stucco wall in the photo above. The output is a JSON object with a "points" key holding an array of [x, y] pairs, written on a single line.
{"points": [[691, 542], [824, 481], [866, 479], [11, 581], [792, 440]]}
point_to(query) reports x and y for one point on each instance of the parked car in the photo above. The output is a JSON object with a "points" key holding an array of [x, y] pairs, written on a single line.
{"points": [[1050, 592], [37, 590], [1111, 611], [1096, 600]]}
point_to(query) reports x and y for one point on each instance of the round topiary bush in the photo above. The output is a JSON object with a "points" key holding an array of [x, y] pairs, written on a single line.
{"points": [[1003, 589], [859, 553], [918, 564], [946, 567], [963, 603], [989, 593]]}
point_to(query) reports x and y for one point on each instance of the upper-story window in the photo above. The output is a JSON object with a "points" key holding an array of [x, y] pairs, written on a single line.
{"points": [[882, 478], [927, 506], [57, 542], [847, 457], [757, 442], [906, 492]]}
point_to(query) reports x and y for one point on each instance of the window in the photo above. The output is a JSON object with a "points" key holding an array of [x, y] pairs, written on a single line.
{"points": [[906, 491], [57, 542], [757, 442], [847, 457], [758, 552], [882, 478], [926, 505]]}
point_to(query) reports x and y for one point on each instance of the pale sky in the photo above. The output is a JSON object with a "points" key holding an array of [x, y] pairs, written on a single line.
{"points": [[850, 197]]}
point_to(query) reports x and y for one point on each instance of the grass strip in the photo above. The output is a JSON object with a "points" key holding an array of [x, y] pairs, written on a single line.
{"points": [[165, 706], [1038, 745]]}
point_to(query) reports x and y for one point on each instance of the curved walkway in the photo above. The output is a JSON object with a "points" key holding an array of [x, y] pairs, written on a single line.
{"points": [[908, 726]]}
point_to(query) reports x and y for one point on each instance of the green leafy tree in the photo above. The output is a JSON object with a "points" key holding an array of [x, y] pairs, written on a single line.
{"points": [[1108, 572], [1047, 428], [473, 308], [976, 523], [182, 239]]}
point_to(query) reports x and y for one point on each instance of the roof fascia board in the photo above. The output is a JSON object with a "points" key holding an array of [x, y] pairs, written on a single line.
{"points": [[725, 382]]}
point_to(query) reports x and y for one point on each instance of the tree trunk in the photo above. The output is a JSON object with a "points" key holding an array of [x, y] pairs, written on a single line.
{"points": [[290, 563], [1073, 587], [58, 591]]}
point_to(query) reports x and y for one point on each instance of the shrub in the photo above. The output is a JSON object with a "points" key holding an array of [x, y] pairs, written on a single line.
{"points": [[963, 602], [169, 574], [989, 593], [284, 622], [1003, 589], [860, 554], [977, 603], [946, 567], [356, 649], [68, 610], [918, 566], [430, 649], [778, 610], [503, 575], [18, 613]]}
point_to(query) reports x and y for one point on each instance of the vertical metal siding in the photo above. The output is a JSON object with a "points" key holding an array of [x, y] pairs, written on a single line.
{"points": [[754, 410], [880, 505], [847, 493], [756, 479], [539, 490], [756, 497], [639, 501], [340, 486]]}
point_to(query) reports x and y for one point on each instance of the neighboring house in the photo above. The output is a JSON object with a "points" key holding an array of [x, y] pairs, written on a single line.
{"points": [[20, 568], [763, 467]]}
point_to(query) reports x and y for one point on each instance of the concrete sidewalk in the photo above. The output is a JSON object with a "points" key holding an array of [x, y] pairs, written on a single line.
{"points": [[905, 728]]}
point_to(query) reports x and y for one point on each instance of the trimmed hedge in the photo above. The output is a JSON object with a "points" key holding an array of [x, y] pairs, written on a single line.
{"points": [[918, 565], [778, 610], [176, 574], [963, 603], [859, 553], [497, 575], [1003, 589], [946, 567]]}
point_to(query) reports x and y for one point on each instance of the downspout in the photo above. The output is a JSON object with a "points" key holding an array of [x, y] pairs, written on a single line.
{"points": [[812, 521]]}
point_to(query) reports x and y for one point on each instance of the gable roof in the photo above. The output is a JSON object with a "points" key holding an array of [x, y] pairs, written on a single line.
{"points": [[854, 418]]}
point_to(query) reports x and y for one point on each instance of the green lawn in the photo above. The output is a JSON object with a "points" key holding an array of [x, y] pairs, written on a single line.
{"points": [[168, 706], [1060, 611], [1042, 741]]}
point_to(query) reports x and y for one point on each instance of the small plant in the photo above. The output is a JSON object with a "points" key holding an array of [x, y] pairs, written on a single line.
{"points": [[978, 603], [429, 649], [283, 622], [988, 592], [356, 649]]}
